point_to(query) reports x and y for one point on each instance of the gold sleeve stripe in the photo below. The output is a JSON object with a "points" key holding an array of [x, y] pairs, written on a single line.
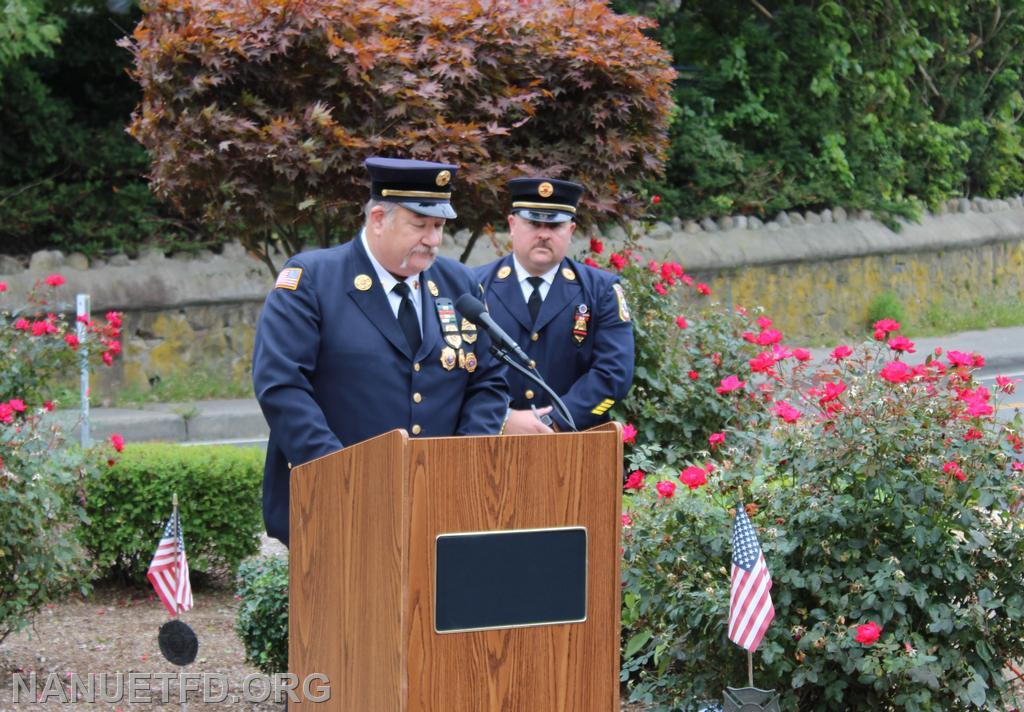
{"points": [[602, 407]]}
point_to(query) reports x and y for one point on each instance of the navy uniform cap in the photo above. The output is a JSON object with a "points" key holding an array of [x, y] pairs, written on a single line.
{"points": [[423, 187], [545, 199]]}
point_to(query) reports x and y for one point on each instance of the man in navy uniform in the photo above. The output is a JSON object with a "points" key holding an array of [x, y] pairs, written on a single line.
{"points": [[571, 319], [362, 338]]}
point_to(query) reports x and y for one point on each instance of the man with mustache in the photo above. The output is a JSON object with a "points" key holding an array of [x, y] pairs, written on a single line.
{"points": [[571, 319], [363, 338]]}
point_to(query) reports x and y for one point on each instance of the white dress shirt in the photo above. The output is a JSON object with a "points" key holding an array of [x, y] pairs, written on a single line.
{"points": [[388, 282]]}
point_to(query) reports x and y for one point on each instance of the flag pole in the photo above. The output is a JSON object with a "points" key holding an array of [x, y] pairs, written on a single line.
{"points": [[177, 546], [750, 656]]}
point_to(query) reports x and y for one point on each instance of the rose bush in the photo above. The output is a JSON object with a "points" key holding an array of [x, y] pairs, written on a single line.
{"points": [[42, 477], [885, 493]]}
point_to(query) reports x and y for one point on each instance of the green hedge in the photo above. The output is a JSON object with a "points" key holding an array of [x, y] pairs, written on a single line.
{"points": [[219, 499], [262, 623]]}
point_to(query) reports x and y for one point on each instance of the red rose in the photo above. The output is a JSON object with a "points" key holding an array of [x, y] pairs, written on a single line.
{"points": [[716, 439], [681, 322], [17, 405], [897, 372], [840, 352], [628, 434], [693, 477], [635, 481], [762, 362], [886, 325], [55, 280], [703, 288], [959, 358], [617, 261], [901, 343], [660, 289], [868, 633], [590, 263], [117, 441], [626, 520], [3, 286], [801, 354], [787, 412], [655, 199], [693, 375], [71, 340], [729, 384], [666, 489], [596, 246]]}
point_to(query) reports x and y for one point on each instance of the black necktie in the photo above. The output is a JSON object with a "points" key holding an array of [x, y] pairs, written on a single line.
{"points": [[534, 304], [407, 318]]}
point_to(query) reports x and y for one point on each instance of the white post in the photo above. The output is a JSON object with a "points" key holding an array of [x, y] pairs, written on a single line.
{"points": [[82, 314]]}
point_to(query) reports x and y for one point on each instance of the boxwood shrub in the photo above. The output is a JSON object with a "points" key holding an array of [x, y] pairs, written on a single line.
{"points": [[218, 491], [262, 623]]}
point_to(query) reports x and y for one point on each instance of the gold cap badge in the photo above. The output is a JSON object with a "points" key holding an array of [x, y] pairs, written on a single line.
{"points": [[443, 178], [362, 282], [432, 287], [504, 272], [568, 274], [545, 189]]}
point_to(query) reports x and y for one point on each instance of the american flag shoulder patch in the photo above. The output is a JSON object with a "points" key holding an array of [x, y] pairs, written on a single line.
{"points": [[289, 278]]}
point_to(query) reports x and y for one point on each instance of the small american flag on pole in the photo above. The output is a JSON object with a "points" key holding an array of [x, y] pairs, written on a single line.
{"points": [[750, 604], [168, 572]]}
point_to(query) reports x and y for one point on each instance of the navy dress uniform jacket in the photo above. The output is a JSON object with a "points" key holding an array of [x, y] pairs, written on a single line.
{"points": [[332, 367], [590, 374]]}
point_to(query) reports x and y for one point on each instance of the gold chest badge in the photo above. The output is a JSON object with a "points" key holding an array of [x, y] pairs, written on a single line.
{"points": [[504, 272], [362, 282]]}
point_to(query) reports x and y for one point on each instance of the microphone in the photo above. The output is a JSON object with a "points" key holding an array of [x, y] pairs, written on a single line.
{"points": [[474, 310]]}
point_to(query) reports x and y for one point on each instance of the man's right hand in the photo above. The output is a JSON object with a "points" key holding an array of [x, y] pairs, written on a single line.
{"points": [[524, 422]]}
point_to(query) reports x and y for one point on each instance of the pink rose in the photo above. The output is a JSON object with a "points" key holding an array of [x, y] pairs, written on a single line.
{"points": [[54, 280], [716, 439], [840, 352]]}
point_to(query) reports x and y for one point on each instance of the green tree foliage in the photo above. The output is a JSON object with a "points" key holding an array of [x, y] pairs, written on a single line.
{"points": [[257, 115], [25, 31], [70, 177], [887, 106]]}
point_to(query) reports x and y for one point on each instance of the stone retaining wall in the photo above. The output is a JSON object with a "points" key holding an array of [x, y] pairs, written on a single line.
{"points": [[814, 274]]}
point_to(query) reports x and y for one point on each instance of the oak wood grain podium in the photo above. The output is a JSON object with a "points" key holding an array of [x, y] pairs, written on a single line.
{"points": [[371, 525]]}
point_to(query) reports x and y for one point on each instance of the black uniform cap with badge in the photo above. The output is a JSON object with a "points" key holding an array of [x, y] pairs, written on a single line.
{"points": [[544, 200], [423, 187]]}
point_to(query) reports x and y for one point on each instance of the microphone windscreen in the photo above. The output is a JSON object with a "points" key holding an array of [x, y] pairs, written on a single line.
{"points": [[470, 307]]}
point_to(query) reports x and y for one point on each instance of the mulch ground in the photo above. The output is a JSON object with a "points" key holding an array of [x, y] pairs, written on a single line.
{"points": [[115, 630]]}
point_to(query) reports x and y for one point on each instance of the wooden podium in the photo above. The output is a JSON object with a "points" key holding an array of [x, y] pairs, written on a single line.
{"points": [[367, 524]]}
